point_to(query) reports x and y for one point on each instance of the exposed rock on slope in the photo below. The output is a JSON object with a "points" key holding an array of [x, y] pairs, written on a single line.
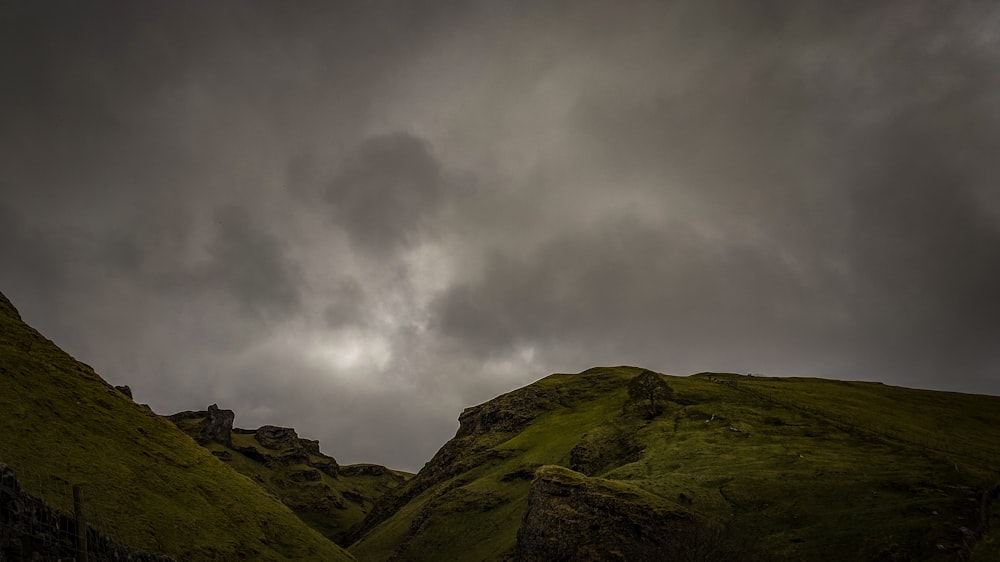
{"points": [[330, 498], [574, 518], [479, 426], [605, 447], [211, 425]]}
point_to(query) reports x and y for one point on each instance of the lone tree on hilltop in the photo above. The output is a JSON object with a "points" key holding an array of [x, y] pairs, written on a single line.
{"points": [[649, 391]]}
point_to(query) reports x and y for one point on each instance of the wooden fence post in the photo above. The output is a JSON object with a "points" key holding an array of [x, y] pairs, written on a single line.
{"points": [[81, 523]]}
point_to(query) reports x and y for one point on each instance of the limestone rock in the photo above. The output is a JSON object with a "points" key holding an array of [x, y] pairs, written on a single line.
{"points": [[223, 455], [573, 517], [328, 467], [310, 445], [219, 426], [364, 470], [308, 475], [293, 449], [214, 424], [274, 437], [508, 413], [604, 448]]}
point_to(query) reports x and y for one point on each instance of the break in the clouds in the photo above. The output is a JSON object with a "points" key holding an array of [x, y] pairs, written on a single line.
{"points": [[358, 218]]}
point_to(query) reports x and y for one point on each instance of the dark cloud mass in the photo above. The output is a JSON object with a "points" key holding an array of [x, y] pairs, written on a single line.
{"points": [[358, 218], [250, 265], [386, 191]]}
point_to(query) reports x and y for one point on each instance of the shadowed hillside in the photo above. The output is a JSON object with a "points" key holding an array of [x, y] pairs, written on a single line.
{"points": [[734, 467], [329, 497], [158, 489]]}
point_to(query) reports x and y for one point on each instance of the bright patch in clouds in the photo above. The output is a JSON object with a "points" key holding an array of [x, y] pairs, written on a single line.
{"points": [[347, 350], [512, 366], [431, 270]]}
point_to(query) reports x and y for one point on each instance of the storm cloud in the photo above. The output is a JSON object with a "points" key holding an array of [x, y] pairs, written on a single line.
{"points": [[386, 192], [357, 219]]}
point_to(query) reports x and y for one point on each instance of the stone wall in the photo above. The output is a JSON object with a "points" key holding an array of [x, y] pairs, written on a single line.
{"points": [[31, 530]]}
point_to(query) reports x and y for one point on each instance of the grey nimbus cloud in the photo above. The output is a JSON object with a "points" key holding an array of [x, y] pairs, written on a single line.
{"points": [[385, 191], [250, 265], [622, 281], [348, 305]]}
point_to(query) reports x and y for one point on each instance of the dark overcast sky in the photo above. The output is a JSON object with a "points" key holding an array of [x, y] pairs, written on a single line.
{"points": [[357, 219]]}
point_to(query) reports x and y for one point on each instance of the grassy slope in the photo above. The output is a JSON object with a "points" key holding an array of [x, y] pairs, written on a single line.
{"points": [[331, 505], [803, 468], [157, 488]]}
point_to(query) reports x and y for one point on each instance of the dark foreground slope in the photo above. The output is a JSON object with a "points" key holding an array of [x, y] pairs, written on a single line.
{"points": [[142, 476], [329, 497], [736, 468]]}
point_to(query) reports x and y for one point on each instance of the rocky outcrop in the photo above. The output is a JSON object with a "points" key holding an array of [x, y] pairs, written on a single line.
{"points": [[604, 448], [281, 444], [125, 389], [571, 517], [480, 429], [219, 425], [508, 413], [272, 444], [284, 446], [365, 470], [274, 437], [212, 425]]}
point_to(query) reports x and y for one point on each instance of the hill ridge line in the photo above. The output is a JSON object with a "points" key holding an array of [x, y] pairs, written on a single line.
{"points": [[846, 425]]}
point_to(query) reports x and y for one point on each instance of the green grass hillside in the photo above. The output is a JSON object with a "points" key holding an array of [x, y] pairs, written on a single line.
{"points": [[157, 489], [330, 498], [775, 468]]}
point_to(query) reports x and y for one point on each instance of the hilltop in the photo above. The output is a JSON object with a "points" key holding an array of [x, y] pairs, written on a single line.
{"points": [[158, 490], [735, 467]]}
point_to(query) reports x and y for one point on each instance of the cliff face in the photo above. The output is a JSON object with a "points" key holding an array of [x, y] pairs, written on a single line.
{"points": [[574, 518], [508, 413], [213, 424]]}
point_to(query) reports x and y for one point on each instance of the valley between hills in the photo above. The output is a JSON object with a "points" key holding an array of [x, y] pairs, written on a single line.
{"points": [[570, 467]]}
